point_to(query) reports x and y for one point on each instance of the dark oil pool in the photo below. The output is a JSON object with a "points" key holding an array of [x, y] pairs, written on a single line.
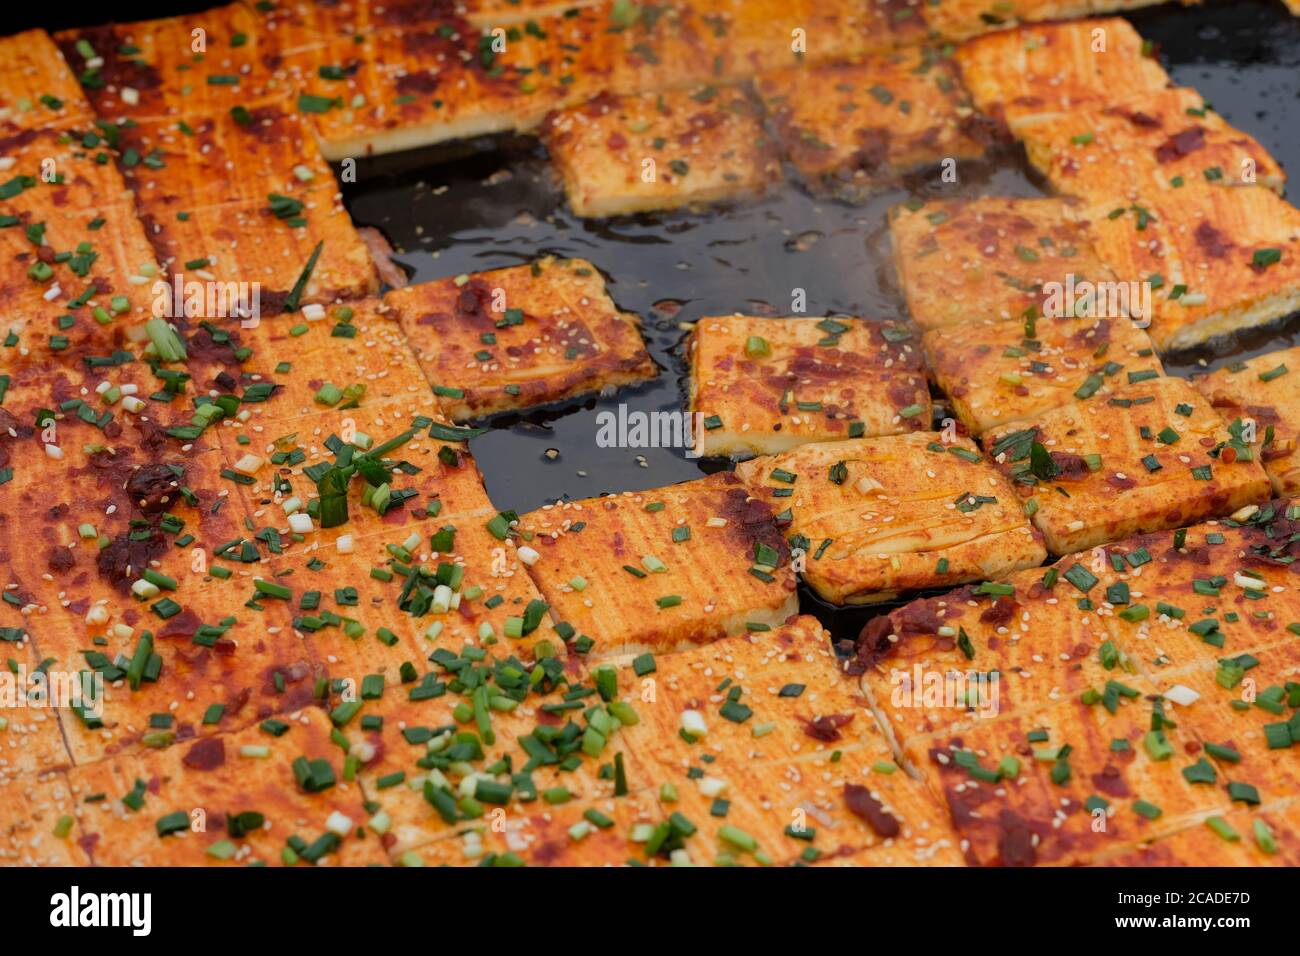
{"points": [[491, 203]]}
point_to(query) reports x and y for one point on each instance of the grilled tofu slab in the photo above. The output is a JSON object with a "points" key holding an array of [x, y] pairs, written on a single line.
{"points": [[1216, 590], [273, 794], [200, 63], [1150, 143], [316, 362], [625, 154], [1004, 371], [876, 517], [92, 264], [970, 260], [1153, 455], [315, 253], [984, 652], [661, 569], [1061, 785], [1042, 71], [1264, 391], [429, 474], [762, 386], [57, 170], [855, 127], [1217, 260], [40, 89], [247, 155], [520, 336]]}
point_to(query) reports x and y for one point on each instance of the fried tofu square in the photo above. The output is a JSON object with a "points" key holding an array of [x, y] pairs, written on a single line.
{"points": [[1189, 598], [206, 663], [40, 90], [57, 170], [1041, 71], [824, 811], [1240, 709], [1264, 391], [315, 362], [876, 517], [94, 265], [389, 620], [427, 469], [520, 336], [317, 253], [852, 128], [178, 164], [38, 825], [763, 698], [273, 794], [393, 90], [1217, 260], [644, 151], [1153, 142], [764, 385], [1154, 455], [1003, 371], [199, 63], [990, 258], [1062, 785], [438, 762], [661, 569], [981, 653]]}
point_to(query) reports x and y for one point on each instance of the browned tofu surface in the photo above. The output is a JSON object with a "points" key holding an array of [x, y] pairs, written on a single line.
{"points": [[182, 163], [875, 517], [520, 336], [40, 90], [625, 154], [230, 799], [198, 63], [1046, 70], [663, 568], [1264, 391], [1004, 371], [971, 260], [1152, 142], [765, 385], [854, 127], [1218, 260], [247, 242], [1151, 456]]}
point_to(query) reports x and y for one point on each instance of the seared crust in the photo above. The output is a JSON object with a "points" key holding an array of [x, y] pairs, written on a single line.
{"points": [[625, 154], [880, 516], [163, 68], [970, 260], [1047, 70], [1218, 260], [855, 127], [765, 385], [246, 242], [1161, 460], [40, 90], [1264, 391], [215, 782], [1150, 143], [699, 554], [1005, 371], [520, 336]]}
